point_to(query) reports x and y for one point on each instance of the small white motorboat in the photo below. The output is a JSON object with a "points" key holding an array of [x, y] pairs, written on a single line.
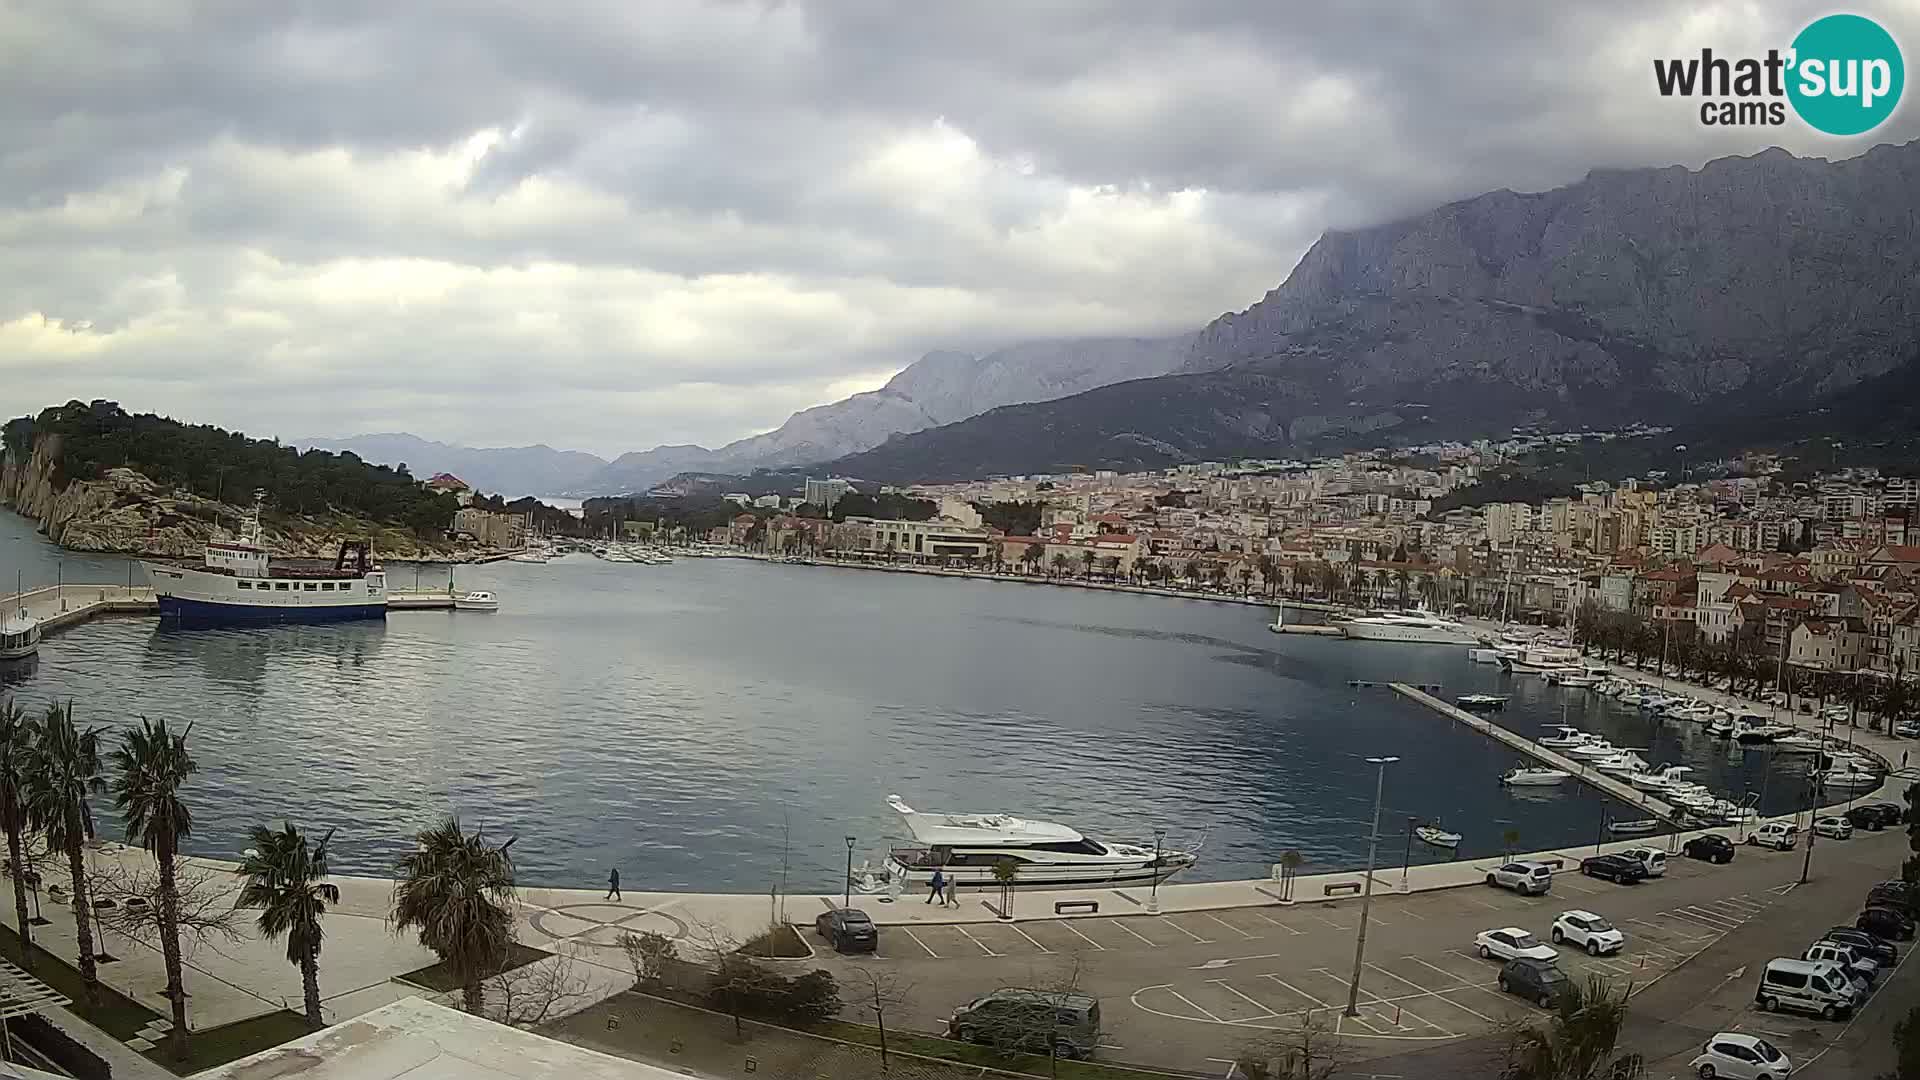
{"points": [[1481, 702], [476, 601], [1437, 837], [1526, 776], [1798, 744], [1579, 680], [1624, 763], [1483, 656], [1641, 827], [1594, 750], [1849, 776], [1565, 738], [19, 635]]}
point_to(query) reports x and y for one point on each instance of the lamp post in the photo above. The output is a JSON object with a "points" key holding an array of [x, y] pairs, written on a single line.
{"points": [[1406, 860], [1153, 890], [846, 895], [1366, 891], [1806, 865]]}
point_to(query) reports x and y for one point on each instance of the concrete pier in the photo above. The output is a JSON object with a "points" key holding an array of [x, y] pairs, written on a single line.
{"points": [[1625, 792], [60, 606]]}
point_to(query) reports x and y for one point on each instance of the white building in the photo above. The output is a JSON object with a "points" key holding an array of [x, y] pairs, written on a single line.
{"points": [[825, 493]]}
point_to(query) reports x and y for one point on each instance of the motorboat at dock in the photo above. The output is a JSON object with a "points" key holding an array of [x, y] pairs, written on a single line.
{"points": [[1533, 776], [1435, 836], [1481, 702], [965, 848]]}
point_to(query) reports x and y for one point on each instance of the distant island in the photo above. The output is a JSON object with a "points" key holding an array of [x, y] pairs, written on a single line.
{"points": [[95, 477]]}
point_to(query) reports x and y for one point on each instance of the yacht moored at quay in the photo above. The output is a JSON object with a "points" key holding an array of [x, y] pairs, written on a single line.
{"points": [[1411, 627], [965, 848], [238, 583]]}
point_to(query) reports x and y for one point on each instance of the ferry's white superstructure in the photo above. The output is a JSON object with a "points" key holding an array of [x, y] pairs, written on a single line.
{"points": [[966, 847], [19, 635], [239, 584]]}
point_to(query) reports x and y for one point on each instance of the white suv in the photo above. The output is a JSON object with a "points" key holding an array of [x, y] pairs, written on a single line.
{"points": [[1588, 931], [1779, 835], [1525, 878]]}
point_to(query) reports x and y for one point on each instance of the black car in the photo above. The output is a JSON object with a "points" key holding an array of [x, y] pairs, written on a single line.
{"points": [[1891, 924], [1710, 847], [1871, 946], [848, 929], [1874, 816], [1893, 894], [1539, 981], [1615, 868]]}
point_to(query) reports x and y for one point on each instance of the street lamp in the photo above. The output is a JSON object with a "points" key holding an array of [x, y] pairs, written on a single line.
{"points": [[1153, 890], [846, 896], [1366, 891], [1406, 860]]}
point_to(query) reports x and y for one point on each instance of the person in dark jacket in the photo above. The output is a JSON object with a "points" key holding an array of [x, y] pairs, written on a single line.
{"points": [[939, 884], [613, 885]]}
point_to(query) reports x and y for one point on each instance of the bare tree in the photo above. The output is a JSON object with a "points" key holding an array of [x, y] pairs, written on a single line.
{"points": [[876, 992], [1311, 1051], [205, 900], [530, 995], [732, 978], [647, 953]]}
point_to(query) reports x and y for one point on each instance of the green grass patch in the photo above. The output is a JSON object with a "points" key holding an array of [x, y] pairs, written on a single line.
{"points": [[777, 943], [117, 1014], [971, 1054], [440, 976], [217, 1046]]}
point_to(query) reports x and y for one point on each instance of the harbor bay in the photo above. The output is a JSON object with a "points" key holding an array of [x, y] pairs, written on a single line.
{"points": [[722, 725]]}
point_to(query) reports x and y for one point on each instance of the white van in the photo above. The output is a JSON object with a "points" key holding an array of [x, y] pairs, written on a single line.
{"points": [[1653, 859], [1810, 986], [1779, 835]]}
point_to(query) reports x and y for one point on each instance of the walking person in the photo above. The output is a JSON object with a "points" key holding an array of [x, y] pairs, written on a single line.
{"points": [[939, 882], [953, 898], [613, 885]]}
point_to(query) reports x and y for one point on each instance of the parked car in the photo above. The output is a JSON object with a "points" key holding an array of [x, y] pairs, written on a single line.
{"points": [[1779, 835], [1894, 893], [1616, 868], [1882, 921], [1837, 827], [1539, 981], [848, 930], [1908, 729], [1588, 931], [1741, 1057], [1525, 878], [1880, 950], [1875, 816], [1856, 965], [1653, 859], [1710, 847], [1806, 986], [1036, 1020], [1512, 943]]}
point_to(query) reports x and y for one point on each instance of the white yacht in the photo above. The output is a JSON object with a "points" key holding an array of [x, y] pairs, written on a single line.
{"points": [[19, 635], [1539, 659], [966, 847], [1526, 776], [1412, 627]]}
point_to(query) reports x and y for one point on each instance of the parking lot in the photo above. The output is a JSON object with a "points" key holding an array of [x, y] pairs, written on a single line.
{"points": [[1185, 989]]}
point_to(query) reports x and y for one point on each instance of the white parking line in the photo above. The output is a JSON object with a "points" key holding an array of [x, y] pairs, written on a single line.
{"points": [[1228, 925], [917, 941], [1330, 922], [1264, 1007], [1297, 990], [1432, 993], [1483, 903], [1194, 1007], [1029, 937], [1373, 1000], [1136, 933], [1281, 925], [976, 941], [1196, 937], [1704, 918], [1691, 933], [1099, 947], [1410, 913]]}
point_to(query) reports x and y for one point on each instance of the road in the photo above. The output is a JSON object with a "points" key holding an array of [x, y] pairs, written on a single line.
{"points": [[1186, 991]]}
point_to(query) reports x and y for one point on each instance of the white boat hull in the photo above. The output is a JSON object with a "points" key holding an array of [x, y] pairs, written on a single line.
{"points": [[1407, 635], [191, 595]]}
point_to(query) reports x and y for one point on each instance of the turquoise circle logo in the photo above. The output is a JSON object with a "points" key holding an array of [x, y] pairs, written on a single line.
{"points": [[1847, 75]]}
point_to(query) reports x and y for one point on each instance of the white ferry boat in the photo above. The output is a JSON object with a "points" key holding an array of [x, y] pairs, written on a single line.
{"points": [[966, 847], [1412, 627], [19, 635], [239, 584]]}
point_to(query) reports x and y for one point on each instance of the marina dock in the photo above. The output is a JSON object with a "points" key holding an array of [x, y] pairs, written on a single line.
{"points": [[1625, 792], [60, 606]]}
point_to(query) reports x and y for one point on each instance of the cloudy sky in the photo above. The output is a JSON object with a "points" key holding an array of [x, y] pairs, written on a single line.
{"points": [[605, 224]]}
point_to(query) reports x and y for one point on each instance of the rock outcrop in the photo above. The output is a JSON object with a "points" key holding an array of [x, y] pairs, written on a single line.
{"points": [[124, 512]]}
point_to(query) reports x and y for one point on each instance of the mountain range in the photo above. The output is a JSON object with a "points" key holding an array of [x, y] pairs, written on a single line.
{"points": [[1674, 296], [1663, 295], [939, 388]]}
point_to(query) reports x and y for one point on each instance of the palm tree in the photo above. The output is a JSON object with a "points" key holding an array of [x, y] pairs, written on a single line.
{"points": [[1059, 562], [457, 892], [16, 746], [1086, 564], [286, 881], [150, 766], [63, 771], [1006, 873], [1579, 1040]]}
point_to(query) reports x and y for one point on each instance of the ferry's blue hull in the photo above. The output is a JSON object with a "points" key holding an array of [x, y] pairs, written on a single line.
{"points": [[205, 613]]}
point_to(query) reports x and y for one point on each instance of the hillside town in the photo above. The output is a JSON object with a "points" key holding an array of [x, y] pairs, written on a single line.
{"points": [[1829, 568]]}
